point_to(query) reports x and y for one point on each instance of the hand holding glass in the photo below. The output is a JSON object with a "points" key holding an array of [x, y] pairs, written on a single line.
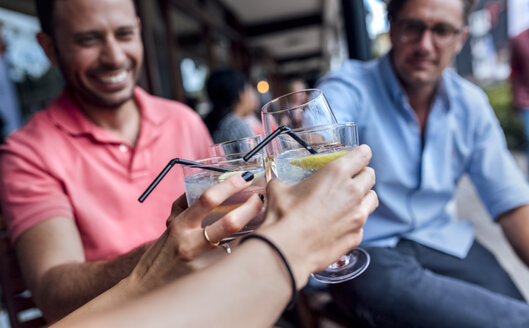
{"points": [[293, 163], [198, 179]]}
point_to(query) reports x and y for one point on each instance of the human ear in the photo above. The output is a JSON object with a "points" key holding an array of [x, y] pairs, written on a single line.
{"points": [[138, 21], [461, 39], [47, 44]]}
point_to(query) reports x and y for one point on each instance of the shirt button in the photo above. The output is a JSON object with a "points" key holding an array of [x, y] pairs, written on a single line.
{"points": [[123, 148]]}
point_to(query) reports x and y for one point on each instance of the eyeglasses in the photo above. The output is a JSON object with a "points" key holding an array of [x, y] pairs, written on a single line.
{"points": [[412, 30]]}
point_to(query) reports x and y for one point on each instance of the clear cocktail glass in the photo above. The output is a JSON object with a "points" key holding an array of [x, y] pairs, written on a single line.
{"points": [[198, 179], [296, 110], [292, 163]]}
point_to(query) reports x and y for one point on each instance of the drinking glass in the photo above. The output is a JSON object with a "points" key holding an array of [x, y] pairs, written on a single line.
{"points": [[236, 148], [296, 110], [197, 179], [292, 163]]}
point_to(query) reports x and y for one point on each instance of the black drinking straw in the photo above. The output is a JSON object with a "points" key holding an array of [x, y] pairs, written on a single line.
{"points": [[170, 165], [278, 131]]}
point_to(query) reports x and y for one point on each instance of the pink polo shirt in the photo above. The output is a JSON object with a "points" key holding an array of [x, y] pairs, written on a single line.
{"points": [[62, 165]]}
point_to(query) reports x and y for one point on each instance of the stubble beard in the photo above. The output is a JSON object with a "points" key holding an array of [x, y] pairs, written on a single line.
{"points": [[85, 96]]}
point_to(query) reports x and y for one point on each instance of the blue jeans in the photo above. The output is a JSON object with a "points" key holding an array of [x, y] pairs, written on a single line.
{"points": [[415, 286]]}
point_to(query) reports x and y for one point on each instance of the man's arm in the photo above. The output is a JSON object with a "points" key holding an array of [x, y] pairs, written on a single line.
{"points": [[52, 260], [515, 225]]}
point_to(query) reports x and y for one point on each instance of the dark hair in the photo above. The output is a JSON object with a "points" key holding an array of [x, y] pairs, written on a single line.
{"points": [[394, 7], [45, 9], [224, 88], [45, 13]]}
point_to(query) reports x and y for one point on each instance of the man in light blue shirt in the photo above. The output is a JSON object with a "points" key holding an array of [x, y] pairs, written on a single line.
{"points": [[427, 128]]}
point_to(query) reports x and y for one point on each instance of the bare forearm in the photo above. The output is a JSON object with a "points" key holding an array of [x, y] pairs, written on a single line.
{"points": [[250, 287], [66, 287], [520, 244], [515, 225]]}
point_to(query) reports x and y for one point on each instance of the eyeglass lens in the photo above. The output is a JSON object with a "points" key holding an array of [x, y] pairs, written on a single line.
{"points": [[413, 30]]}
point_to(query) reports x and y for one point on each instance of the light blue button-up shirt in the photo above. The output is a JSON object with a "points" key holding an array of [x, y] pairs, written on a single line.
{"points": [[417, 175]]}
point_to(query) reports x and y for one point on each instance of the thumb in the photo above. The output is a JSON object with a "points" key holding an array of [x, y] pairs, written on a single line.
{"points": [[179, 205]]}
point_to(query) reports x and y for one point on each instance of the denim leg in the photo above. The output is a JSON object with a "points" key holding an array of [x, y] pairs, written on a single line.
{"points": [[480, 267], [397, 290]]}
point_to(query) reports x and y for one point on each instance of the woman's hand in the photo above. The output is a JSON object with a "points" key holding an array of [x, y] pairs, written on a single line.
{"points": [[321, 218], [181, 248]]}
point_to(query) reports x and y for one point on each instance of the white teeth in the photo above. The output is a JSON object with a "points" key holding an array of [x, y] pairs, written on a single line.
{"points": [[114, 78]]}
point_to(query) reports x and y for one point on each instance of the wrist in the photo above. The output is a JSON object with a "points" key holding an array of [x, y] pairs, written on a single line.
{"points": [[280, 236], [271, 245], [132, 286]]}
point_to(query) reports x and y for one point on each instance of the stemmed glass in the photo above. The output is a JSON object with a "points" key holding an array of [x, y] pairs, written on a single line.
{"points": [[296, 110], [309, 115], [293, 163]]}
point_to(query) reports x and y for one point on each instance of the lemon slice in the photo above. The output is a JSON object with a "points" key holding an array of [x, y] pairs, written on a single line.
{"points": [[226, 175], [317, 161]]}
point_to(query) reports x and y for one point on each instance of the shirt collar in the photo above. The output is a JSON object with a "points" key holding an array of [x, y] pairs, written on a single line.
{"points": [[67, 115], [389, 79], [445, 90], [149, 110]]}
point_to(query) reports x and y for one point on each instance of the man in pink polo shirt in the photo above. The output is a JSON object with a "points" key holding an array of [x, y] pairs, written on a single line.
{"points": [[72, 175]]}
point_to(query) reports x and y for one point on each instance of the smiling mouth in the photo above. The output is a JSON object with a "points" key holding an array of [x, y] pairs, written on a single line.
{"points": [[117, 78]]}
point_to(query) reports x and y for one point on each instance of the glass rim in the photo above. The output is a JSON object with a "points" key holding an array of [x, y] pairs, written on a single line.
{"points": [[223, 159], [257, 136], [324, 126], [287, 95]]}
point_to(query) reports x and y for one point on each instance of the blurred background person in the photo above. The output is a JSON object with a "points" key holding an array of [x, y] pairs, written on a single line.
{"points": [[9, 107], [254, 119], [520, 78], [295, 86], [233, 99], [295, 118]]}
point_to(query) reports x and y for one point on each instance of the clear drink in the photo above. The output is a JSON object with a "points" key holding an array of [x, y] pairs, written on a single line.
{"points": [[292, 164], [296, 165], [196, 185], [197, 180]]}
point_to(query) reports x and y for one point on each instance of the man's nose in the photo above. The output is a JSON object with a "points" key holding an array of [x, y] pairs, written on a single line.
{"points": [[112, 53], [426, 40]]}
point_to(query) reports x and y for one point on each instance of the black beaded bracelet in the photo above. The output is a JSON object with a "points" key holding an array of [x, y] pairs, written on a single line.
{"points": [[276, 249]]}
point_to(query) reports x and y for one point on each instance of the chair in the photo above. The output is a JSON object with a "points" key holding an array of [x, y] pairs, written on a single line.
{"points": [[16, 299]]}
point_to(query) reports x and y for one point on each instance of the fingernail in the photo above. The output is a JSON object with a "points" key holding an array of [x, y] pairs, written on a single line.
{"points": [[364, 148], [247, 176], [262, 197]]}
